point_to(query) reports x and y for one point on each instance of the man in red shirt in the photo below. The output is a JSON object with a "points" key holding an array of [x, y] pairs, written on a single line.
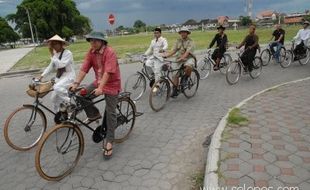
{"points": [[103, 60]]}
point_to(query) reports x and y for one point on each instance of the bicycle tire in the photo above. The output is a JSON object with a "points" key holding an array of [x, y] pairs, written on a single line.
{"points": [[165, 95], [191, 80], [139, 85], [234, 68], [266, 57]]}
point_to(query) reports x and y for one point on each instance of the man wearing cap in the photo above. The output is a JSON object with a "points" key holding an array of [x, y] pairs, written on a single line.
{"points": [[221, 41], [158, 46], [103, 60], [301, 40], [278, 35], [62, 62], [184, 48]]}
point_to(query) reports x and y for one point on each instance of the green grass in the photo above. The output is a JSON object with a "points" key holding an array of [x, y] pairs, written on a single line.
{"points": [[139, 43], [197, 180], [236, 118]]}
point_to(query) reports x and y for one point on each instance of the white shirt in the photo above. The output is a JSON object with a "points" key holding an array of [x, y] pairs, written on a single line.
{"points": [[156, 46], [302, 35], [66, 61]]}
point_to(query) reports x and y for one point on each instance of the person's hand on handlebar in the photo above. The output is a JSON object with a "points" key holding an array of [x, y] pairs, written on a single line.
{"points": [[74, 86], [97, 92]]}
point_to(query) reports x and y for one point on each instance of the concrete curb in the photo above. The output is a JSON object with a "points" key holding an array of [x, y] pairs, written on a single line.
{"points": [[19, 72], [211, 177]]}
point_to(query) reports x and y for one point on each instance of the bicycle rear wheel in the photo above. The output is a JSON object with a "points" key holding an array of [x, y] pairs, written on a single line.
{"points": [[24, 128], [59, 151], [159, 96], [265, 56], [136, 85], [233, 73], [257, 68], [288, 59], [306, 58], [191, 85], [126, 116], [204, 68]]}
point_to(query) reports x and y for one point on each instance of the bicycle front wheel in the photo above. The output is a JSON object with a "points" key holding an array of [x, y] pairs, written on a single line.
{"points": [[282, 54], [204, 68], [59, 151], [233, 73], [159, 95], [190, 86], [136, 85], [266, 56], [126, 116], [288, 59], [257, 68], [24, 128]]}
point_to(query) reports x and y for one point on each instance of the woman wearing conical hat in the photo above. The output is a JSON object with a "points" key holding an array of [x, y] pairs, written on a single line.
{"points": [[62, 63]]}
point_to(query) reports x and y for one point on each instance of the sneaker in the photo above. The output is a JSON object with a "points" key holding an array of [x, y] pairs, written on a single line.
{"points": [[155, 89], [175, 93]]}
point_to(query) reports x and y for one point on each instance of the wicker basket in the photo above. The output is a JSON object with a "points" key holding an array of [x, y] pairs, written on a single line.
{"points": [[40, 90]]}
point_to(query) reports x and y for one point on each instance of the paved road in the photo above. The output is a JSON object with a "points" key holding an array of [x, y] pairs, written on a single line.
{"points": [[164, 150], [10, 57], [272, 150]]}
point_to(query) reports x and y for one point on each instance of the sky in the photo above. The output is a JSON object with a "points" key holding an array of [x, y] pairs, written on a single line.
{"points": [[156, 12]]}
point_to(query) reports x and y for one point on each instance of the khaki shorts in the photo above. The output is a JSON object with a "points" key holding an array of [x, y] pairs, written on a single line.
{"points": [[190, 62]]}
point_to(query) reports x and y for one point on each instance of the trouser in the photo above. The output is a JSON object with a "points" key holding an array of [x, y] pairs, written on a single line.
{"points": [[110, 111], [300, 49], [60, 92], [276, 53], [247, 58], [156, 66], [218, 53]]}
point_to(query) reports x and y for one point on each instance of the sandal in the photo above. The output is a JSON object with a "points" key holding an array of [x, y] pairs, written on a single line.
{"points": [[107, 156]]}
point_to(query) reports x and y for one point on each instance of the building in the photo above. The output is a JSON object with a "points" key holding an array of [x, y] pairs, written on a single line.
{"points": [[295, 18], [267, 18]]}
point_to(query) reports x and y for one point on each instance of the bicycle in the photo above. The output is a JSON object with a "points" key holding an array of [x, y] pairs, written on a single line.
{"points": [[205, 64], [25, 136], [136, 83], [266, 55], [290, 57], [62, 146], [234, 70], [188, 86]]}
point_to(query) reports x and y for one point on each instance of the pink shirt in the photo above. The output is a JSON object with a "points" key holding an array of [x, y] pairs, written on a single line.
{"points": [[103, 61]]}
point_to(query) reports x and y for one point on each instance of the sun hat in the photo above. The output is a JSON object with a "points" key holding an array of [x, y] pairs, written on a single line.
{"points": [[184, 29], [96, 35], [307, 22], [58, 38]]}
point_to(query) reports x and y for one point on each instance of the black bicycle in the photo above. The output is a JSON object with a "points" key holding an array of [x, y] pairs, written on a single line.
{"points": [[62, 146], [267, 54], [136, 83], [26, 125], [235, 69], [205, 64], [160, 91], [291, 56]]}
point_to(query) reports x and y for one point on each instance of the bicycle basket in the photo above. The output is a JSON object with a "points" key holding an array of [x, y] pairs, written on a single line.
{"points": [[39, 90]]}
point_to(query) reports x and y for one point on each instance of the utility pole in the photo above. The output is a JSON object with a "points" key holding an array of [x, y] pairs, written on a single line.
{"points": [[30, 25]]}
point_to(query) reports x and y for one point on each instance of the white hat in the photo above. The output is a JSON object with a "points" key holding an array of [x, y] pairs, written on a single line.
{"points": [[184, 29], [307, 22], [58, 38]]}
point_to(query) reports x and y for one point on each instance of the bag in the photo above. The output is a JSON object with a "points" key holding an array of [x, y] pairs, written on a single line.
{"points": [[40, 90], [61, 70]]}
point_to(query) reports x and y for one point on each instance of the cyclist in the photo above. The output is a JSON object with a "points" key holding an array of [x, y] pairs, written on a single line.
{"points": [[302, 40], [62, 62], [184, 48], [102, 59], [251, 45], [278, 35], [221, 41], [158, 46]]}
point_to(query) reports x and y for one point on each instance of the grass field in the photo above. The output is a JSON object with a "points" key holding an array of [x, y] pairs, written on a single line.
{"points": [[139, 43]]}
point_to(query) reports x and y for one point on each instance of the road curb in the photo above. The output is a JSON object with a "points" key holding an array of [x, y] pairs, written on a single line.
{"points": [[211, 177], [19, 72]]}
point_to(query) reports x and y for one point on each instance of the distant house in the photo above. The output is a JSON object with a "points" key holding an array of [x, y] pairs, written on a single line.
{"points": [[223, 20], [266, 18], [295, 18]]}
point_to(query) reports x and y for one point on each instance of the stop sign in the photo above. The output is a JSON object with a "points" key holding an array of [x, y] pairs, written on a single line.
{"points": [[111, 19]]}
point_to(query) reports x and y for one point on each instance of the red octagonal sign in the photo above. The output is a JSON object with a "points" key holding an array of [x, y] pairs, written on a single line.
{"points": [[111, 19]]}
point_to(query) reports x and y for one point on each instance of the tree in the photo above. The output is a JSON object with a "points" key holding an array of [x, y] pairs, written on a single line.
{"points": [[7, 33], [50, 17], [307, 18], [139, 24], [245, 20], [190, 22]]}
